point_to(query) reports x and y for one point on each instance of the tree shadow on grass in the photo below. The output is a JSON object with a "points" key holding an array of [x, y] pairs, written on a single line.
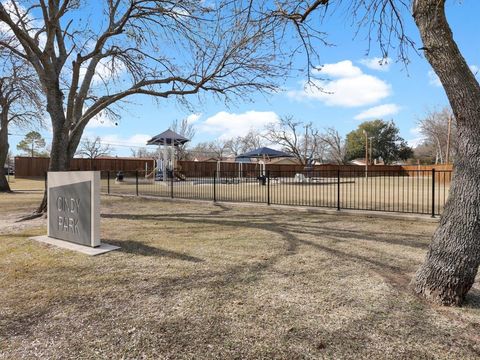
{"points": [[397, 275], [269, 223], [139, 248]]}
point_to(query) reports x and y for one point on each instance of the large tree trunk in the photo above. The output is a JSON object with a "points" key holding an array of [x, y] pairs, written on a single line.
{"points": [[453, 258], [59, 155], [4, 186]]}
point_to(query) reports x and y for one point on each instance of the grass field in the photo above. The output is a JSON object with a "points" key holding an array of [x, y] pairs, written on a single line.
{"points": [[30, 185], [205, 281]]}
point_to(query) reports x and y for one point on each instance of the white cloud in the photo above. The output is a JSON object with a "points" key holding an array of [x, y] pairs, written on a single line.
{"points": [[377, 63], [105, 71], [378, 112], [100, 120], [418, 137], [349, 88], [228, 125], [475, 69], [16, 13], [134, 140], [193, 118], [341, 69]]}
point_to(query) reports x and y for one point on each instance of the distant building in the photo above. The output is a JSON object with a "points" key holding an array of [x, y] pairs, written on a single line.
{"points": [[213, 159], [284, 161], [361, 161]]}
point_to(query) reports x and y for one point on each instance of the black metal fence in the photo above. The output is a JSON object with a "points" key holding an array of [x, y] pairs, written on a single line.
{"points": [[405, 191]]}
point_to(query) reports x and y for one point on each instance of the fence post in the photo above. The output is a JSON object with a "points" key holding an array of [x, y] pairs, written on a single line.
{"points": [[171, 186], [338, 189], [433, 192], [136, 181], [268, 187], [108, 182], [214, 186]]}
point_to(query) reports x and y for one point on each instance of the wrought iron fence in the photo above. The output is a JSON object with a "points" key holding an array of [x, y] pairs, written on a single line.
{"points": [[405, 191]]}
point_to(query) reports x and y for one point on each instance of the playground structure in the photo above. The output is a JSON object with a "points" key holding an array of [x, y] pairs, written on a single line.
{"points": [[166, 167], [408, 189], [248, 168], [262, 154], [415, 191]]}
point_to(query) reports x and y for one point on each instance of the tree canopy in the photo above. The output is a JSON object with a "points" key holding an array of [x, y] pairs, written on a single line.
{"points": [[20, 103], [439, 136], [33, 144], [93, 148], [384, 138]]}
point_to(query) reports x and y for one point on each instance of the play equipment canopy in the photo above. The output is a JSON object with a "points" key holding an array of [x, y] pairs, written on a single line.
{"points": [[168, 137], [263, 152]]}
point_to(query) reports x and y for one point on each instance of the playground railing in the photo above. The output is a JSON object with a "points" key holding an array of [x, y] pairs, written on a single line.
{"points": [[405, 191]]}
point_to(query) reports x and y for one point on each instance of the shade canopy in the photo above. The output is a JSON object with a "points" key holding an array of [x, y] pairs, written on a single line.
{"points": [[168, 137], [263, 152]]}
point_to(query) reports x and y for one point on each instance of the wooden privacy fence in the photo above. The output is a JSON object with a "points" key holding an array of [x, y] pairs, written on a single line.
{"points": [[38, 166], [207, 168], [193, 169]]}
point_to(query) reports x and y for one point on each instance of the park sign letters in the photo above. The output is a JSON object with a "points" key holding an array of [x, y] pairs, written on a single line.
{"points": [[74, 206]]}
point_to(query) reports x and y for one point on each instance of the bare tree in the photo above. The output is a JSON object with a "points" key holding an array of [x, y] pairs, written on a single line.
{"points": [[142, 152], [452, 262], [335, 146], [211, 149], [242, 144], [425, 153], [252, 140], [439, 131], [19, 105], [187, 130], [453, 259], [157, 48], [235, 146], [296, 138], [93, 148]]}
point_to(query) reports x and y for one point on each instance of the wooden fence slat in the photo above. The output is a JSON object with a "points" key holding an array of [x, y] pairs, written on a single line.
{"points": [[37, 166]]}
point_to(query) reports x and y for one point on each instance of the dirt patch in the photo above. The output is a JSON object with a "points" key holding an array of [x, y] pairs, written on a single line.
{"points": [[14, 206]]}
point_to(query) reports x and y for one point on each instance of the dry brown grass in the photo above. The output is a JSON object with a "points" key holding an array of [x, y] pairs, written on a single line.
{"points": [[204, 281], [30, 185]]}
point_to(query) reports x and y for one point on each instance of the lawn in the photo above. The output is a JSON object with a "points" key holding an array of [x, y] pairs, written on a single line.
{"points": [[202, 281], [30, 185]]}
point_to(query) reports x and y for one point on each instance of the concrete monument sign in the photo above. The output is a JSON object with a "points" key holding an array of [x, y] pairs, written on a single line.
{"points": [[74, 207]]}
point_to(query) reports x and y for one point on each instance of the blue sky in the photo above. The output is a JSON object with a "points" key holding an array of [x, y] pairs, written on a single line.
{"points": [[360, 90]]}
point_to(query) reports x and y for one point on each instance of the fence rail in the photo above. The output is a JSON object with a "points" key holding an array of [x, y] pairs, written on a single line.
{"points": [[404, 191]]}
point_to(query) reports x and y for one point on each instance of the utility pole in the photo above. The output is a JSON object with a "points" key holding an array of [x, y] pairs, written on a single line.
{"points": [[32, 147], [306, 144], [447, 160], [366, 153], [371, 142]]}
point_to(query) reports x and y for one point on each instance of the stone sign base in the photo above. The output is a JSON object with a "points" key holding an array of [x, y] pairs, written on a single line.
{"points": [[102, 249]]}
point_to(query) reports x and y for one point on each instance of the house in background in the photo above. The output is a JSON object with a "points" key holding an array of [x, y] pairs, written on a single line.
{"points": [[284, 161], [361, 161]]}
